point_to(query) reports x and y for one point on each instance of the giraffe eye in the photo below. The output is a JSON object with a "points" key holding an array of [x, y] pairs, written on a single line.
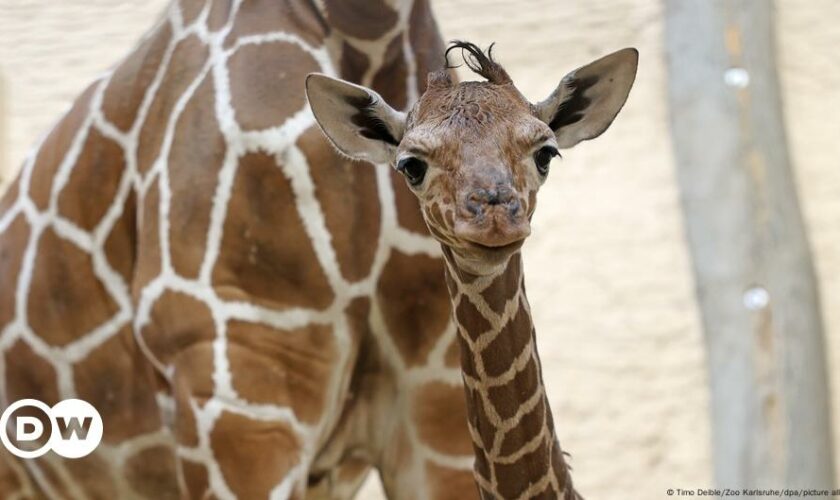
{"points": [[543, 157], [414, 169]]}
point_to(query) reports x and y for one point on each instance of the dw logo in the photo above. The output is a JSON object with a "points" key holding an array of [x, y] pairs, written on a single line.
{"points": [[74, 428]]}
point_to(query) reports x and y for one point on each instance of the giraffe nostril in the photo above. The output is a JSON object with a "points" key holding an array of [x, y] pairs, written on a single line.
{"points": [[493, 197], [480, 198]]}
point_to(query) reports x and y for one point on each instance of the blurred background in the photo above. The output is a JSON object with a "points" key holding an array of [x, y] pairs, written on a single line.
{"points": [[609, 267]]}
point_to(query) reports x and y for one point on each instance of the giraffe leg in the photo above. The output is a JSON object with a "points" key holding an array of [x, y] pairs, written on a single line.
{"points": [[251, 401], [232, 448], [429, 456]]}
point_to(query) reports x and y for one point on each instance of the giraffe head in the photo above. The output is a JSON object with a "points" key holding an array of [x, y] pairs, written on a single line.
{"points": [[474, 153]]}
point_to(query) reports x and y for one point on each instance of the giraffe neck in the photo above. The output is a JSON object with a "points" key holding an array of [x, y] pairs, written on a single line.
{"points": [[389, 46], [517, 451]]}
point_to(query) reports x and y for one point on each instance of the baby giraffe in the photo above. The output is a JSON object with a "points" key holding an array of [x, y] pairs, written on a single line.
{"points": [[475, 154]]}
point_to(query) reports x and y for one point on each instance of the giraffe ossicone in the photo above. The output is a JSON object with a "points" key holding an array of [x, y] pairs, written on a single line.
{"points": [[475, 154]]}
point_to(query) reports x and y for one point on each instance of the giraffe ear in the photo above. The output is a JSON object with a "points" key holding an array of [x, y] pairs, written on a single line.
{"points": [[355, 119], [588, 99]]}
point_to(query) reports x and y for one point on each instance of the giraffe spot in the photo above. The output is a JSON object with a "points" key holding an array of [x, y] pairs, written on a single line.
{"points": [[364, 19], [122, 240], [190, 9], [196, 479], [97, 175], [514, 478], [415, 304], [148, 240], [179, 326], [187, 60], [450, 484], [530, 426], [66, 299], [425, 40], [55, 147], [151, 473], [266, 256], [440, 414], [12, 247], [28, 375], [267, 98], [470, 319], [449, 216], [504, 287], [507, 398], [348, 196], [390, 79], [117, 380], [258, 17], [409, 215], [219, 14], [10, 196], [515, 336], [291, 368], [353, 63], [95, 474], [131, 80], [254, 455], [193, 176], [434, 215]]}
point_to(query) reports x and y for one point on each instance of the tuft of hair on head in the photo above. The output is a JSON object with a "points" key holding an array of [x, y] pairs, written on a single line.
{"points": [[439, 79], [478, 61]]}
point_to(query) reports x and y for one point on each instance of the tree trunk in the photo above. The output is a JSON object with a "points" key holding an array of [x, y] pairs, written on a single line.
{"points": [[754, 277]]}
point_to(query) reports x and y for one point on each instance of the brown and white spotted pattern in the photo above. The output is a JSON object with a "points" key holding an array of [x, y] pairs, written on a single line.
{"points": [[510, 419], [252, 315]]}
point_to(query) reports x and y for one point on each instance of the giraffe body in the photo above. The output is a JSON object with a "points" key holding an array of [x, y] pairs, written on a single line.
{"points": [[253, 315]]}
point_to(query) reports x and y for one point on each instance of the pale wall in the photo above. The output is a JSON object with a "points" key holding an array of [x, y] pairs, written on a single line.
{"points": [[608, 272]]}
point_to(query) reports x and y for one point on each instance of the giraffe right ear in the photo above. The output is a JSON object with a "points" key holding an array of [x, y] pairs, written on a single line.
{"points": [[355, 119]]}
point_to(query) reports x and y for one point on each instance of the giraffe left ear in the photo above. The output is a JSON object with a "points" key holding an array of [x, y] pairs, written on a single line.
{"points": [[355, 119], [588, 99]]}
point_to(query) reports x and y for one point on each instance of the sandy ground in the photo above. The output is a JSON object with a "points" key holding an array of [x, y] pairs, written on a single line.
{"points": [[618, 326]]}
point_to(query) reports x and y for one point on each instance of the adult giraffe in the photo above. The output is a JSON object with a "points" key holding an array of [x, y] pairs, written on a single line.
{"points": [[475, 154], [252, 316]]}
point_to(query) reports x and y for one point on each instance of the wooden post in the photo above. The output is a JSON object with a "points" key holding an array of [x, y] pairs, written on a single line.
{"points": [[754, 278]]}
